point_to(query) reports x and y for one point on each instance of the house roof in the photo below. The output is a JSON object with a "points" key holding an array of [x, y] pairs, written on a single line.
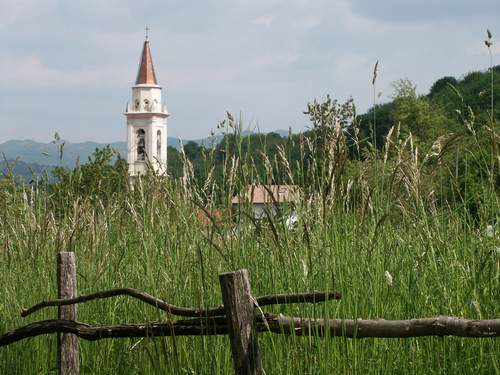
{"points": [[268, 194], [146, 73]]}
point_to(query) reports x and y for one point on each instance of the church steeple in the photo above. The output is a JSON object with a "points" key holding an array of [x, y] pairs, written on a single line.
{"points": [[146, 121], [146, 73]]}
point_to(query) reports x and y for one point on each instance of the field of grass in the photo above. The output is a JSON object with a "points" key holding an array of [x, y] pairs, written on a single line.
{"points": [[442, 263]]}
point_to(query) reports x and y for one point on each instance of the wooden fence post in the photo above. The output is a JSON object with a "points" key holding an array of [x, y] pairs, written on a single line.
{"points": [[239, 309], [67, 344]]}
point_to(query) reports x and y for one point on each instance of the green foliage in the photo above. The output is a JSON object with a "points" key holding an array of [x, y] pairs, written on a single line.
{"points": [[99, 179], [326, 151], [433, 115], [475, 91], [7, 193], [418, 115], [174, 164], [442, 86], [151, 239]]}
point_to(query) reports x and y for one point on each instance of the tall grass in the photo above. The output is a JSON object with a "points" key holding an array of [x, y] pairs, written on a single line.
{"points": [[354, 226]]}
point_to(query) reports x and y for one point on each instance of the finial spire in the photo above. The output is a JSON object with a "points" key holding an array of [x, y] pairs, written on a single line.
{"points": [[147, 32]]}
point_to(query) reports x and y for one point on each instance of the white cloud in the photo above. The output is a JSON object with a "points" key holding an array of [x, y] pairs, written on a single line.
{"points": [[12, 10], [425, 10], [266, 20], [30, 71], [350, 64]]}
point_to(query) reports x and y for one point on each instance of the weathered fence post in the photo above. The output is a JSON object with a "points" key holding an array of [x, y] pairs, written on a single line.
{"points": [[67, 344], [239, 309]]}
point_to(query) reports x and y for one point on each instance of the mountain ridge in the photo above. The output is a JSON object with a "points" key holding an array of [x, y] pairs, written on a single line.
{"points": [[67, 154]]}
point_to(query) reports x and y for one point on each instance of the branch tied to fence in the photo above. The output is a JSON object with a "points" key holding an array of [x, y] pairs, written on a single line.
{"points": [[240, 317]]}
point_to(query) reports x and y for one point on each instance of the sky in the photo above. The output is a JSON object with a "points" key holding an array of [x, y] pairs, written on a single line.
{"points": [[67, 66]]}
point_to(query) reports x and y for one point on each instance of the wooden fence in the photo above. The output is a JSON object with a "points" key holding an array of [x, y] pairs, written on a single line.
{"points": [[240, 317]]}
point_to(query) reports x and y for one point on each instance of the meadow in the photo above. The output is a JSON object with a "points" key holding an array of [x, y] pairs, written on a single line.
{"points": [[424, 211], [443, 262]]}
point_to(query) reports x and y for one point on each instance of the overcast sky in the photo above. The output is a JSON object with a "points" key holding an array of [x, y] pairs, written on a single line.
{"points": [[67, 66]]}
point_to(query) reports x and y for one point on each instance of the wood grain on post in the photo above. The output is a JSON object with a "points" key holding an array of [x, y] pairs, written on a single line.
{"points": [[67, 344], [239, 309]]}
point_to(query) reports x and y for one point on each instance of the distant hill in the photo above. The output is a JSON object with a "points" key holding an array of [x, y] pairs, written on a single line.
{"points": [[60, 153], [49, 154], [28, 171]]}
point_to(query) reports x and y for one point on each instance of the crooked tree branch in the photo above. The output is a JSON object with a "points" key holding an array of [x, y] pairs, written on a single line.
{"points": [[92, 333], [273, 299], [436, 326], [360, 328]]}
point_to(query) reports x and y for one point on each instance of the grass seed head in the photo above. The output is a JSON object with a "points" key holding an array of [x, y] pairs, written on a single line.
{"points": [[388, 279], [375, 72]]}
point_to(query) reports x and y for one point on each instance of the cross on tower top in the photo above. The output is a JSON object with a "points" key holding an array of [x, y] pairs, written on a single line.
{"points": [[147, 32]]}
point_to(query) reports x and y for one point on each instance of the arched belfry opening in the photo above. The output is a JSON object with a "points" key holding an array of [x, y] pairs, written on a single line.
{"points": [[141, 145], [158, 144]]}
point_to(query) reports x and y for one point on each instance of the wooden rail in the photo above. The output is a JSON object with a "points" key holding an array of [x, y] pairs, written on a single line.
{"points": [[280, 324], [236, 318]]}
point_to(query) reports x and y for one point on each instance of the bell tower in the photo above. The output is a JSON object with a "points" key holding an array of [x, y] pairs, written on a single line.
{"points": [[146, 121]]}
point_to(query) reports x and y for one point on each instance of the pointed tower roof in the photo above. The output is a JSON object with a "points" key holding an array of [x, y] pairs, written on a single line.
{"points": [[146, 73]]}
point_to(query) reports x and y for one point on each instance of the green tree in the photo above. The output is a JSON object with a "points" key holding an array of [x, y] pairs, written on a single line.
{"points": [[417, 114], [104, 175]]}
